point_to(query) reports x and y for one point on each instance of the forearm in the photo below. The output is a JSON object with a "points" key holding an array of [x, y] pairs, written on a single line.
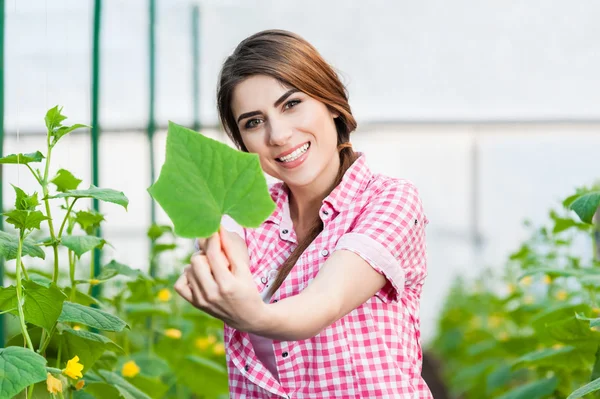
{"points": [[298, 317]]}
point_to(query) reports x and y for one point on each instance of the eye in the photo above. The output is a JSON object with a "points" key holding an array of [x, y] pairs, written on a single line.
{"points": [[252, 123], [291, 104]]}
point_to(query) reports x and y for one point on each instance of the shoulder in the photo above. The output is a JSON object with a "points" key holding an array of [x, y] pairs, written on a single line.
{"points": [[391, 188]]}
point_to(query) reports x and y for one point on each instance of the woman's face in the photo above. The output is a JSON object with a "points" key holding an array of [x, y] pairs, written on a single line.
{"points": [[293, 134]]}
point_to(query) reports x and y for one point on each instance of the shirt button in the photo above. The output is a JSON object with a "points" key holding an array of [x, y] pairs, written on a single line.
{"points": [[247, 367], [284, 354], [285, 231], [324, 252], [275, 300], [263, 280], [325, 212]]}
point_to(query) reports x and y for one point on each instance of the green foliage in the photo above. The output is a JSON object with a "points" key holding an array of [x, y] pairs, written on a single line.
{"points": [[537, 333]]}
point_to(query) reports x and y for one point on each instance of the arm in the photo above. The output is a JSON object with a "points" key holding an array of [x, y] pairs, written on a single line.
{"points": [[344, 282]]}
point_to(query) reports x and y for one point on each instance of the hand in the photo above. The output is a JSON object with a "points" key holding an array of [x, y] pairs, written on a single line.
{"points": [[219, 282]]}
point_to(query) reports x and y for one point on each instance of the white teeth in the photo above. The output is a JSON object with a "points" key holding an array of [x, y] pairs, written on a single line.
{"points": [[296, 154]]}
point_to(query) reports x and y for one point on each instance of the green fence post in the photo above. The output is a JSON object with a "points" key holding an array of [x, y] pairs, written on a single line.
{"points": [[196, 64], [151, 122], [95, 104], [2, 332]]}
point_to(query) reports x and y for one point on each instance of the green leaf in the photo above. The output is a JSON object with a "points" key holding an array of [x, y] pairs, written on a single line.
{"points": [[82, 244], [64, 130], [203, 376], [115, 268], [22, 158], [151, 386], [572, 330], [19, 368], [586, 206], [25, 220], [159, 248], [25, 202], [95, 318], [101, 194], [156, 231], [126, 390], [41, 307], [89, 220], [545, 357], [150, 365], [82, 298], [563, 224], [65, 181], [535, 390], [99, 390], [54, 118], [85, 344], [584, 390], [9, 246], [203, 179]]}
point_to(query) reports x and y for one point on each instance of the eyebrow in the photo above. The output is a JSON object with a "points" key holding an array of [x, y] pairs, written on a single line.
{"points": [[275, 105]]}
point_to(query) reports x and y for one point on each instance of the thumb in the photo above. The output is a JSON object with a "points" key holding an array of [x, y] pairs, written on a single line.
{"points": [[236, 250]]}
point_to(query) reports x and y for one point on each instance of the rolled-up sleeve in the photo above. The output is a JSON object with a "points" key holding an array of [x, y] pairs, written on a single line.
{"points": [[389, 234]]}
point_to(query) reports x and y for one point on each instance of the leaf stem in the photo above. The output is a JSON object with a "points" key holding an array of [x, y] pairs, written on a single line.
{"points": [[72, 275], [47, 340], [44, 183], [30, 391], [62, 226], [20, 294]]}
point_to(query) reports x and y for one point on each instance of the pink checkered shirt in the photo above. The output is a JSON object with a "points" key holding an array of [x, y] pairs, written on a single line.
{"points": [[372, 352]]}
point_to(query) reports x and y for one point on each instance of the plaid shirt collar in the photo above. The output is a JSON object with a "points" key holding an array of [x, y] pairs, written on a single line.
{"points": [[354, 182]]}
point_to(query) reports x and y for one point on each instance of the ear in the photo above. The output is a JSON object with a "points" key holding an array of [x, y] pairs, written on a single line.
{"points": [[334, 114]]}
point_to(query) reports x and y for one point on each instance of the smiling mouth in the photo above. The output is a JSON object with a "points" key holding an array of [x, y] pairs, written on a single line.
{"points": [[294, 155]]}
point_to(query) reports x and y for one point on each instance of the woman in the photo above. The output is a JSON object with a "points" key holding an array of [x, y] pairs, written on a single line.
{"points": [[321, 300]]}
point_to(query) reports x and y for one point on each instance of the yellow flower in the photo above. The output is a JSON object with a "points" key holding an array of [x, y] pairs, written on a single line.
{"points": [[164, 295], [73, 368], [596, 310], [130, 369], [511, 288], [203, 343], [528, 299], [94, 281], [526, 281], [53, 384], [173, 333], [561, 295], [76, 328], [494, 321], [80, 384], [547, 279], [219, 349]]}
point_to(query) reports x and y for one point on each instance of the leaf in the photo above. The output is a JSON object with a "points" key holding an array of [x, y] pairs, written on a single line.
{"points": [[115, 268], [95, 318], [159, 248], [89, 220], [563, 224], [535, 390], [25, 220], [25, 202], [19, 368], [82, 298], [584, 390], [64, 130], [82, 244], [65, 181], [203, 376], [87, 345], [126, 390], [41, 307], [572, 330], [150, 365], [151, 386], [101, 194], [9, 246], [586, 206], [22, 159], [203, 179], [54, 118], [545, 357], [156, 231]]}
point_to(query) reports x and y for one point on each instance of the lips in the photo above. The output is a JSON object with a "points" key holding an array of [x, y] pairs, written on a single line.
{"points": [[283, 154]]}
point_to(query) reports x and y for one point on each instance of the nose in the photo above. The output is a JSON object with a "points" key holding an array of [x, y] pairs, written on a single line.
{"points": [[280, 133]]}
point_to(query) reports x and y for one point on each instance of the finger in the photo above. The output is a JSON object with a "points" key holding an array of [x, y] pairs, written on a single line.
{"points": [[236, 251], [182, 287], [198, 299], [202, 276], [201, 244], [219, 264]]}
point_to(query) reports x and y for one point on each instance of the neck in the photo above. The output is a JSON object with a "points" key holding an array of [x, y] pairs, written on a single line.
{"points": [[305, 201]]}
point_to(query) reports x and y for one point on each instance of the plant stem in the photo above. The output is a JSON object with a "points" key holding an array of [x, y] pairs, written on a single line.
{"points": [[59, 354], [47, 340], [44, 183], [92, 276], [72, 275], [30, 392], [24, 270], [34, 174], [20, 295]]}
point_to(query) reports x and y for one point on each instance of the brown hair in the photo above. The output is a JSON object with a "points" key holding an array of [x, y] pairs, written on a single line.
{"points": [[294, 62]]}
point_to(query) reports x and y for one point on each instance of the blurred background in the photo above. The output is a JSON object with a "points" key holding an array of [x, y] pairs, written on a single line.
{"points": [[491, 108]]}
